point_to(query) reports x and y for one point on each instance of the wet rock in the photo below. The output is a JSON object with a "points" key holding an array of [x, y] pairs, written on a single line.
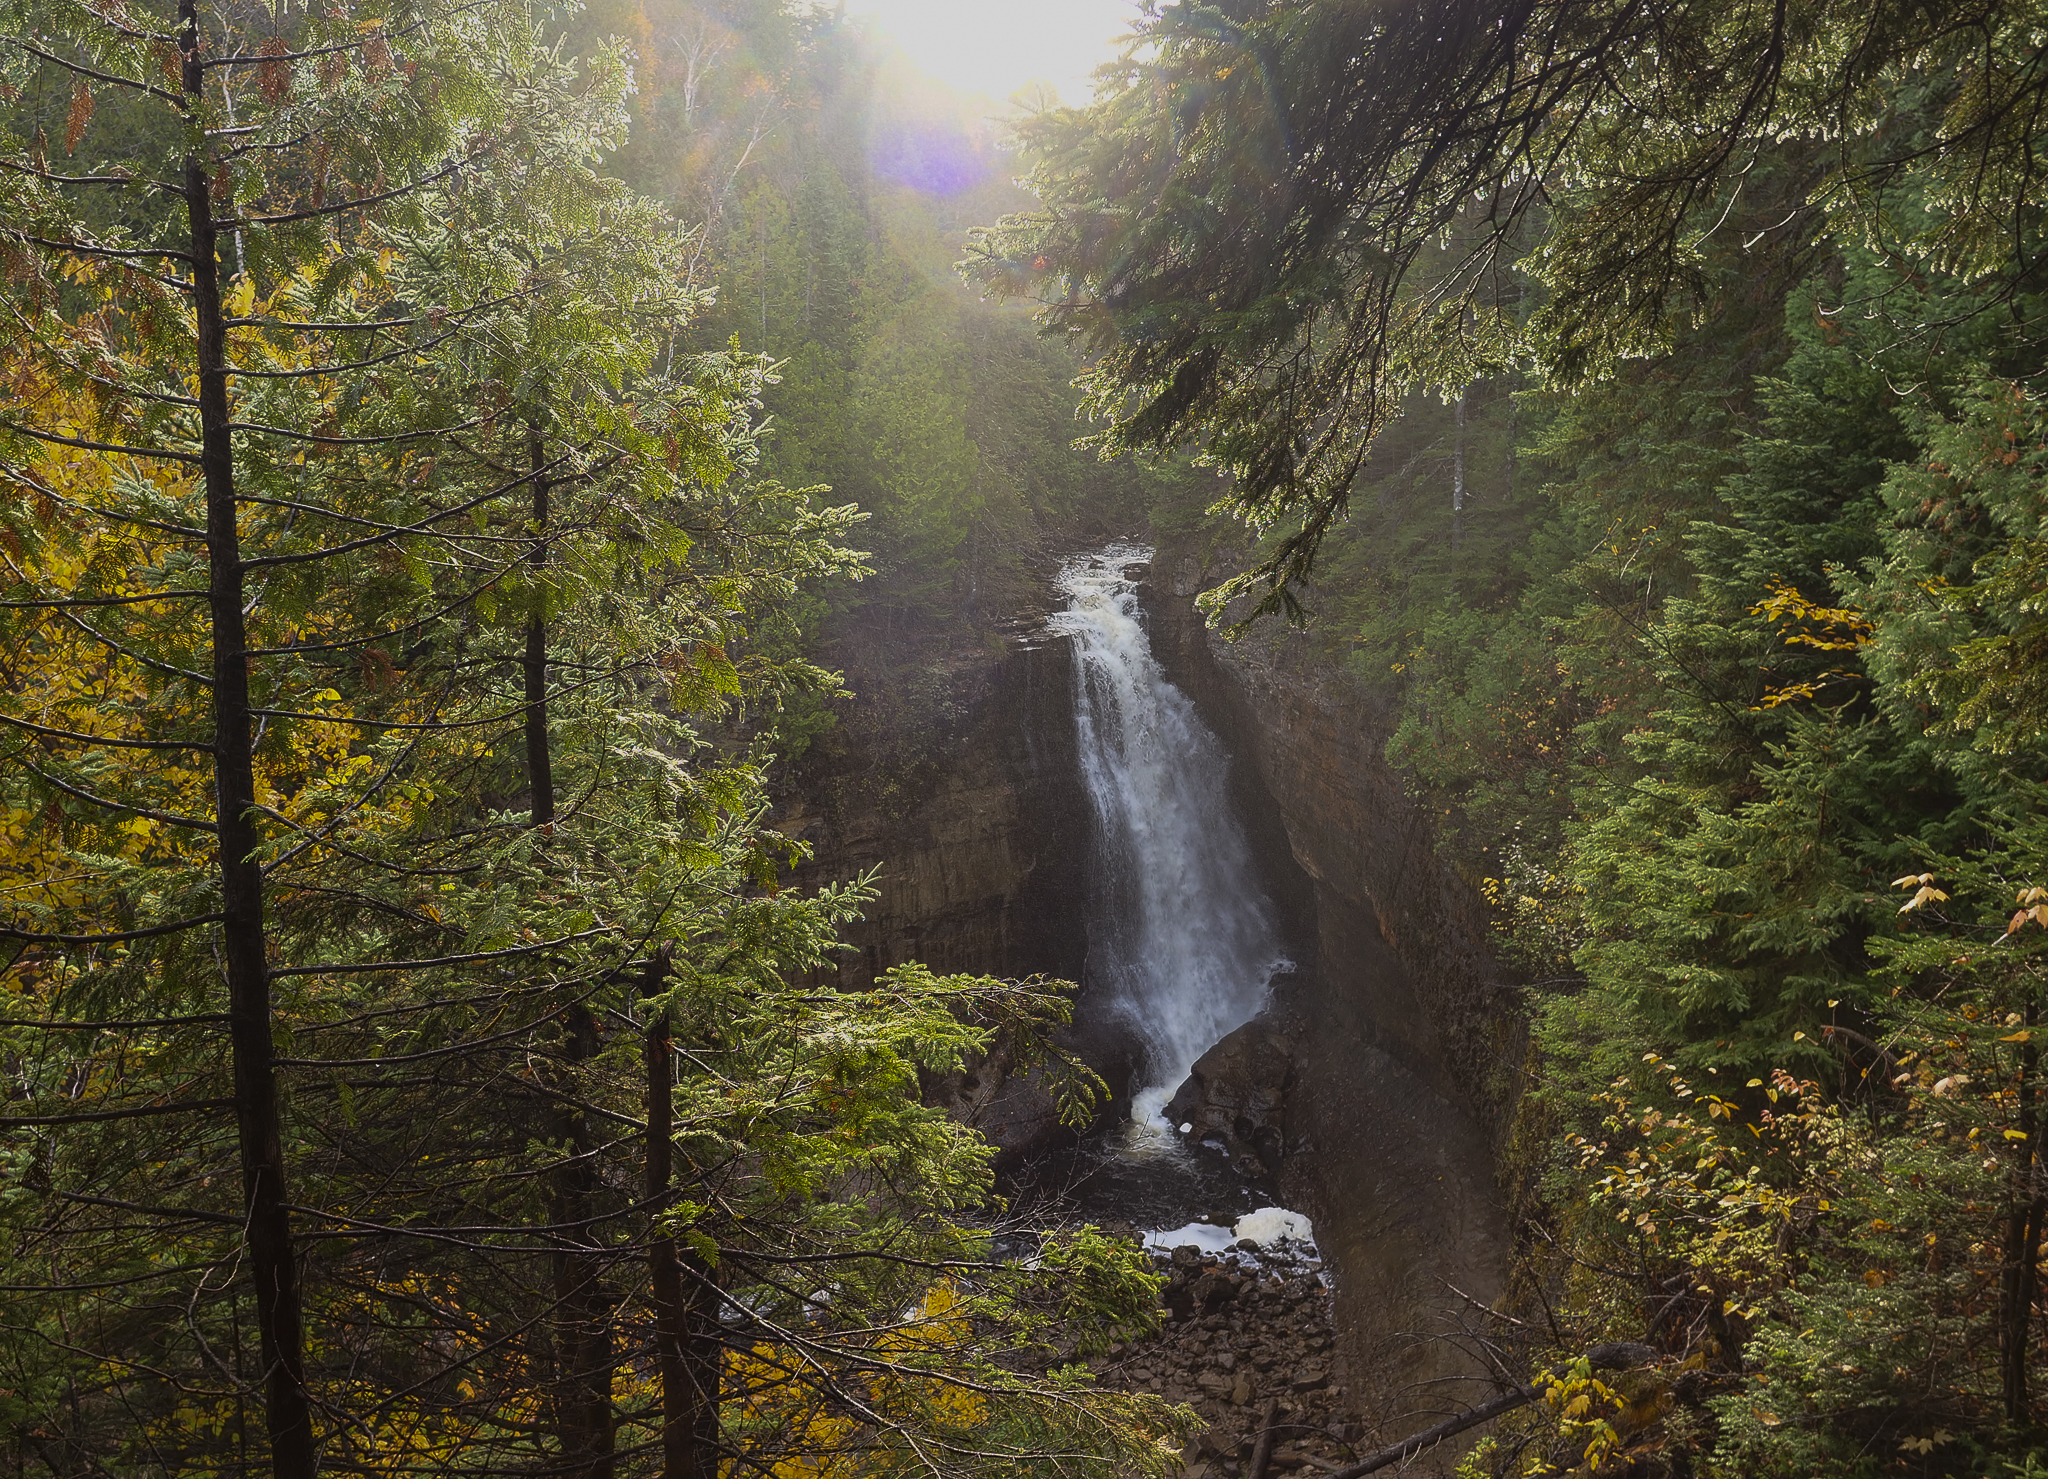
{"points": [[1236, 1094]]}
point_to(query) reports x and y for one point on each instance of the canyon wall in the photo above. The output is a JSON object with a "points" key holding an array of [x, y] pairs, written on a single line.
{"points": [[953, 775], [1407, 1039], [1391, 917]]}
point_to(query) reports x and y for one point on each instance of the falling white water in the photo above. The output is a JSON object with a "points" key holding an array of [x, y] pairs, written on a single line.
{"points": [[1183, 942]]}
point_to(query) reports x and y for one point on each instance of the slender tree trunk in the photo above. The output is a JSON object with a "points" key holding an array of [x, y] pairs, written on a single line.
{"points": [[583, 1334], [1458, 475], [665, 1278], [685, 1333], [2019, 1283], [540, 766], [273, 1270], [703, 1361]]}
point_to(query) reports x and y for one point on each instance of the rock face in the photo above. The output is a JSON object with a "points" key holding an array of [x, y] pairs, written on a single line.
{"points": [[956, 771], [953, 772], [1236, 1094], [953, 775]]}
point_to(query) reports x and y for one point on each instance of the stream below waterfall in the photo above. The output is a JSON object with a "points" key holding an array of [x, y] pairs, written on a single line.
{"points": [[1183, 940]]}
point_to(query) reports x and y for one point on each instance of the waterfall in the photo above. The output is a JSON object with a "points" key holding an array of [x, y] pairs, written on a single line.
{"points": [[1182, 941]]}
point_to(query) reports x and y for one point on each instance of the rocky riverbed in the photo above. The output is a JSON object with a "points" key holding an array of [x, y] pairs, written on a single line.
{"points": [[1244, 1329]]}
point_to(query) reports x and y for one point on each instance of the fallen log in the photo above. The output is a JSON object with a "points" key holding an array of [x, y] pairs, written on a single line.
{"points": [[1618, 1355], [1262, 1451]]}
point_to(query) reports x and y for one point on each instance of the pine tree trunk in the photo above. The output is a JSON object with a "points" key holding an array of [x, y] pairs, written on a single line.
{"points": [[685, 1339], [702, 1363], [540, 767], [273, 1270], [583, 1335]]}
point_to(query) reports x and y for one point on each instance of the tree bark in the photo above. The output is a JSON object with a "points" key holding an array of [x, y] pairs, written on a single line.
{"points": [[703, 1363], [258, 1121], [583, 1335], [2019, 1281], [540, 765], [685, 1333]]}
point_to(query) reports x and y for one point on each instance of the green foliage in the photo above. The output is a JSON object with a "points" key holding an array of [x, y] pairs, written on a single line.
{"points": [[1277, 222], [509, 579], [1691, 532], [834, 186]]}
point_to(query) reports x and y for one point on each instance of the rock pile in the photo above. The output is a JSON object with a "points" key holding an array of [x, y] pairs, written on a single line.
{"points": [[1241, 1328]]}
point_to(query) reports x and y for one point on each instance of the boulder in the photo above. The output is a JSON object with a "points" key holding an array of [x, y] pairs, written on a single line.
{"points": [[1237, 1093]]}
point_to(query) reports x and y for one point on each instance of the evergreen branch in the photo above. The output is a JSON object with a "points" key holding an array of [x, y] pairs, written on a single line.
{"points": [[89, 602], [384, 440], [457, 603], [388, 532], [348, 968], [403, 351], [17, 167], [258, 59], [132, 1024], [23, 1121], [338, 326], [34, 938], [176, 100], [170, 669], [236, 223], [100, 739], [191, 459], [168, 818], [516, 712], [175, 1214]]}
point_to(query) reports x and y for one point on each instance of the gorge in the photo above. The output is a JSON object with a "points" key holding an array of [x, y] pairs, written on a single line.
{"points": [[1401, 1064]]}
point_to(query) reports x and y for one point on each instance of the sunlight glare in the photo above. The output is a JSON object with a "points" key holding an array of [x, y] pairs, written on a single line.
{"points": [[986, 47]]}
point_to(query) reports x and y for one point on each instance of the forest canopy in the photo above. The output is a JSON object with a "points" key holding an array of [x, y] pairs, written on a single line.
{"points": [[1278, 219]]}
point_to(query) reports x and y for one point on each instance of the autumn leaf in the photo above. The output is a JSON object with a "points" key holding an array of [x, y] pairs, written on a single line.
{"points": [[79, 117]]}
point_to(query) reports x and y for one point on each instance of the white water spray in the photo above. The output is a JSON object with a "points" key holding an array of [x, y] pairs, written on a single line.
{"points": [[1183, 940]]}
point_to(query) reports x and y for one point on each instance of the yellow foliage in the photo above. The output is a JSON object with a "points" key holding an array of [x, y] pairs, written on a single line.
{"points": [[804, 1398]]}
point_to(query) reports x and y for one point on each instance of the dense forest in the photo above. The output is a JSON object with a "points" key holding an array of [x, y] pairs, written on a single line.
{"points": [[420, 423], [1643, 398], [453, 451]]}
